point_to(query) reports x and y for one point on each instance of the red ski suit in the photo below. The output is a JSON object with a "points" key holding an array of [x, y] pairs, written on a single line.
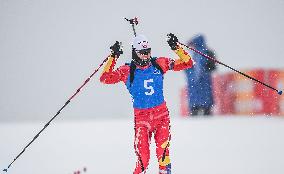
{"points": [[153, 120]]}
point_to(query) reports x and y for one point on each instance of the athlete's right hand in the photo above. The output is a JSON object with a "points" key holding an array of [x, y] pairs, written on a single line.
{"points": [[116, 49]]}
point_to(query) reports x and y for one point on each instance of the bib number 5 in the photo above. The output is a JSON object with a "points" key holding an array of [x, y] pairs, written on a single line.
{"points": [[149, 87]]}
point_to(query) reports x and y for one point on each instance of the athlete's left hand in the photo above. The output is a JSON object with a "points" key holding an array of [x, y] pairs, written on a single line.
{"points": [[172, 41]]}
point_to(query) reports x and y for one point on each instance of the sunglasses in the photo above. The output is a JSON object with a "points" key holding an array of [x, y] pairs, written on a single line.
{"points": [[144, 51]]}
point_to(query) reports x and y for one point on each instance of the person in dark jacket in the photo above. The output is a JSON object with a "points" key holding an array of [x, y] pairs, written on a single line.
{"points": [[199, 80]]}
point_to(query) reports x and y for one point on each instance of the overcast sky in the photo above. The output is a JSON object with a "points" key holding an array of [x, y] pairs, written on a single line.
{"points": [[49, 47]]}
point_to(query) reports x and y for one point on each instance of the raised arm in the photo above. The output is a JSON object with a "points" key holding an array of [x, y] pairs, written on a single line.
{"points": [[109, 75], [183, 62]]}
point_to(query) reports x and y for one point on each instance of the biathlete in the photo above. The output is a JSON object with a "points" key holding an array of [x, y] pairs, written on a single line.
{"points": [[143, 78]]}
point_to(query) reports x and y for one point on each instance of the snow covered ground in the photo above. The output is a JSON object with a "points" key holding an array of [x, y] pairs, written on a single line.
{"points": [[217, 145]]}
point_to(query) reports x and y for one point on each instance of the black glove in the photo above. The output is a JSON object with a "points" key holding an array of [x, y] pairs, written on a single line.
{"points": [[172, 41], [116, 49]]}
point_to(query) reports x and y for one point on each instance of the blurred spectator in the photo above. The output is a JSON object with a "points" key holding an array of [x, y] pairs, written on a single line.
{"points": [[199, 80]]}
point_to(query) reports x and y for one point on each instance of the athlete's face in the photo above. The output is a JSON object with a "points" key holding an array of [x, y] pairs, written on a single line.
{"points": [[144, 54]]}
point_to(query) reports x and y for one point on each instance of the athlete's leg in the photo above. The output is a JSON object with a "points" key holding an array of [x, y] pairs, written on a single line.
{"points": [[142, 148], [162, 139]]}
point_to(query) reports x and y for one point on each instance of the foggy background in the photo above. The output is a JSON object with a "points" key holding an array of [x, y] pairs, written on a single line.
{"points": [[48, 48]]}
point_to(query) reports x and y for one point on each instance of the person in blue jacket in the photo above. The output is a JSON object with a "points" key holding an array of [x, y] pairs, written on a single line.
{"points": [[199, 80]]}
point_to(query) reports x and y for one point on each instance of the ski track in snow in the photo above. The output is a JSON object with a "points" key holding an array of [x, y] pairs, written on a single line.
{"points": [[216, 145]]}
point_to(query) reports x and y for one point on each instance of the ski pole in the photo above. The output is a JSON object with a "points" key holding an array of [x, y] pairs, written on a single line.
{"points": [[252, 78], [133, 22], [58, 112]]}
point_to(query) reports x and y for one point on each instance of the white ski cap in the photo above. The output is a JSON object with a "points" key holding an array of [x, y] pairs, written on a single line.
{"points": [[140, 42]]}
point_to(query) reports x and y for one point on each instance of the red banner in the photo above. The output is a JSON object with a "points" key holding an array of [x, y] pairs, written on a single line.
{"points": [[236, 94]]}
